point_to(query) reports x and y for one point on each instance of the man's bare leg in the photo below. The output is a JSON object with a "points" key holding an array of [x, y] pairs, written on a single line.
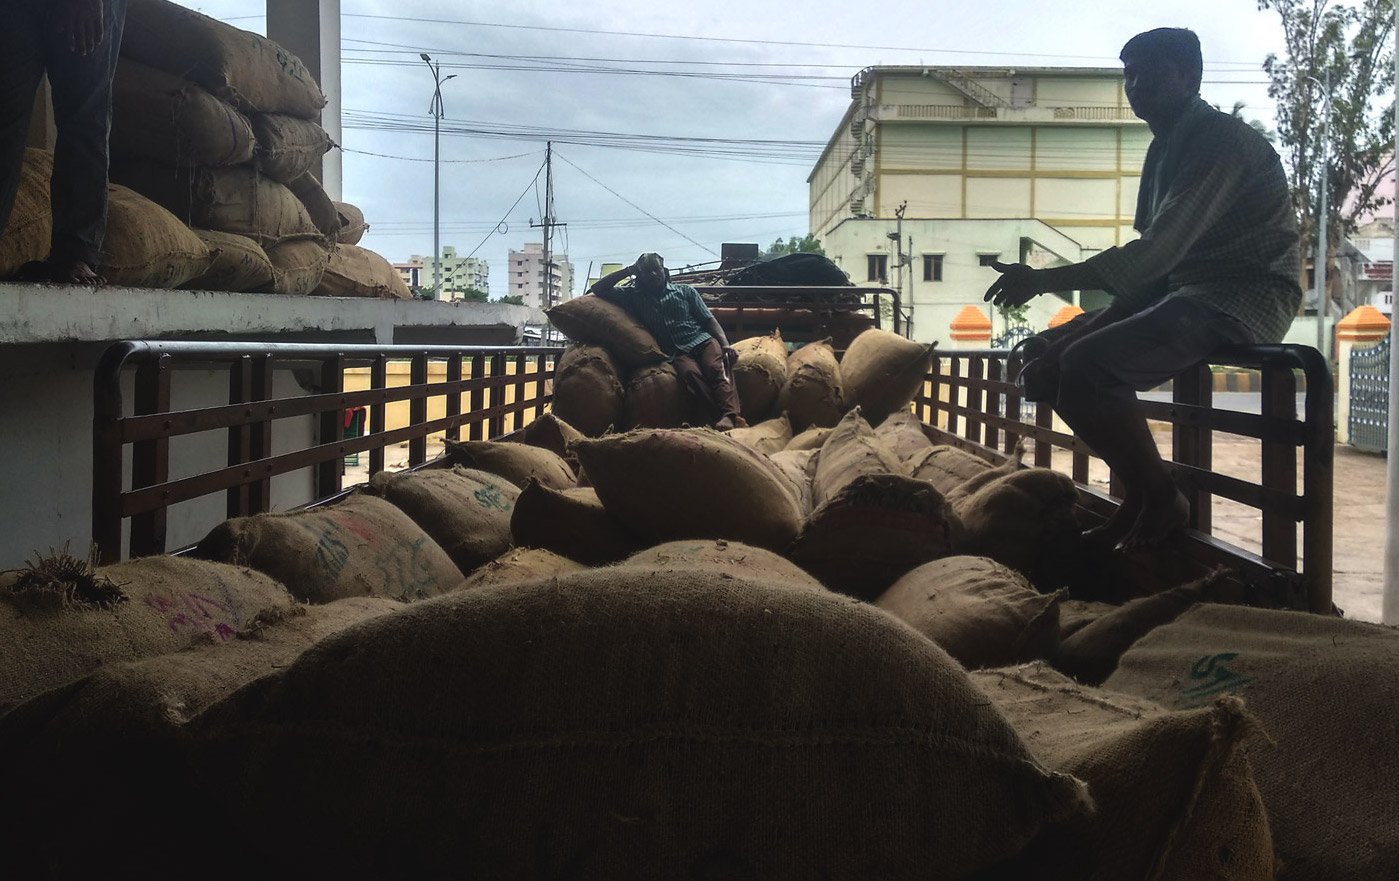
{"points": [[74, 272], [1117, 431]]}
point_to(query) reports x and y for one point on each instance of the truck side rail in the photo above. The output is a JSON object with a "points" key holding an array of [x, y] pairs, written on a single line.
{"points": [[971, 399], [478, 388]]}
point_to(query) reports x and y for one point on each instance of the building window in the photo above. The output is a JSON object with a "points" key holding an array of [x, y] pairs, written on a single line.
{"points": [[877, 267], [987, 259], [932, 267]]}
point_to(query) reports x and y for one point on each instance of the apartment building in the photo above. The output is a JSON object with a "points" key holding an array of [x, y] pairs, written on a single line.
{"points": [[527, 277], [1030, 164], [458, 273]]}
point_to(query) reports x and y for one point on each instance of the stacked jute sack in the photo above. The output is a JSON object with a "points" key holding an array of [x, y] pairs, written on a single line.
{"points": [[667, 653], [214, 127], [616, 377]]}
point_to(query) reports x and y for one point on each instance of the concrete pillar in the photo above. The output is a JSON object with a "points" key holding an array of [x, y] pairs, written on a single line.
{"points": [[971, 328], [1363, 327], [310, 30], [1066, 314]]}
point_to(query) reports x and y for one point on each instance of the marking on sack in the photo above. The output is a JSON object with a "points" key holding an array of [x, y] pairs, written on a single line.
{"points": [[1214, 677], [489, 497]]}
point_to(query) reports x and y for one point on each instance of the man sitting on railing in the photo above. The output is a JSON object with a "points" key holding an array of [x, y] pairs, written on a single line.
{"points": [[1216, 264], [684, 328]]}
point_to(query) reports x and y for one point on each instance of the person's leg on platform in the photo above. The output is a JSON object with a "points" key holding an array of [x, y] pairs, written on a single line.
{"points": [[710, 356], [21, 70], [1099, 374], [82, 109], [691, 377]]}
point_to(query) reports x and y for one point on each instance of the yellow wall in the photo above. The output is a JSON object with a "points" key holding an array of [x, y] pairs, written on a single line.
{"points": [[398, 375], [998, 197]]}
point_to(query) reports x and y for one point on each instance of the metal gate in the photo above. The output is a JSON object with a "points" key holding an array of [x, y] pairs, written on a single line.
{"points": [[1369, 397]]}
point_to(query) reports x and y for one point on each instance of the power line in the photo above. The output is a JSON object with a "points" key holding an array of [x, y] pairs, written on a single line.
{"points": [[421, 159], [634, 205], [741, 40], [498, 226]]}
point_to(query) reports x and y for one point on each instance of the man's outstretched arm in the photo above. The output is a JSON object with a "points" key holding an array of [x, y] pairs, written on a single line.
{"points": [[1019, 283], [603, 286]]}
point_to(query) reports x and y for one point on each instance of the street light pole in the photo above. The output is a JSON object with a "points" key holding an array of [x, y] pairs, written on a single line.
{"points": [[435, 108]]}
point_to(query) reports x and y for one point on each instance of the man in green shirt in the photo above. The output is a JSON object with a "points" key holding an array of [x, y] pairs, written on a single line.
{"points": [[684, 328], [1216, 264]]}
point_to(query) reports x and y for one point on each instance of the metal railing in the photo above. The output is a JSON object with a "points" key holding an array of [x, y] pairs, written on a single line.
{"points": [[484, 389], [972, 398]]}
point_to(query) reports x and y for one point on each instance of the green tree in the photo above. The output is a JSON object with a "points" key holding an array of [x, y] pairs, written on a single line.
{"points": [[1258, 125], [471, 295], [1352, 45], [512, 300], [807, 244]]}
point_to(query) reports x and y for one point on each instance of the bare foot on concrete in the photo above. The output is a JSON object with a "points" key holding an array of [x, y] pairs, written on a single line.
{"points": [[1163, 514], [1119, 524], [75, 272]]}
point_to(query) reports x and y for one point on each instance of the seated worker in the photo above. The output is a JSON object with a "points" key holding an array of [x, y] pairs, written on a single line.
{"points": [[1216, 264], [684, 328]]}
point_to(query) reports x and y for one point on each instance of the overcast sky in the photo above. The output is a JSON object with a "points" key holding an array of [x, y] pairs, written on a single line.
{"points": [[719, 133]]}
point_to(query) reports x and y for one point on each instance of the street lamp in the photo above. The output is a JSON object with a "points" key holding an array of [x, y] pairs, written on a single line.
{"points": [[1322, 249], [435, 108]]}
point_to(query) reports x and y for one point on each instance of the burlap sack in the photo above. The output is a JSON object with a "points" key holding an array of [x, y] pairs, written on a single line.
{"points": [[235, 199], [236, 263], [298, 266], [724, 557], [588, 391], [595, 321], [882, 372], [358, 272], [768, 437], [322, 211], [654, 398], [812, 394], [466, 512], [159, 116], [360, 546], [352, 225], [980, 612], [1175, 793], [811, 439], [25, 236], [1091, 653], [799, 466], [851, 450], [516, 463], [1324, 691], [519, 565], [874, 530], [624, 728], [759, 374], [287, 147], [146, 246], [902, 432], [53, 629], [107, 745], [1024, 520], [551, 433], [572, 523], [667, 485], [247, 70], [946, 467]]}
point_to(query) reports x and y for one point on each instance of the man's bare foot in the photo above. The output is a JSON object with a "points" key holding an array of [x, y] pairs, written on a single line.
{"points": [[1162, 515], [75, 272], [1119, 524], [725, 424]]}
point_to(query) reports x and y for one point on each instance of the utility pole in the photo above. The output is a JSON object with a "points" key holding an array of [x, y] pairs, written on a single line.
{"points": [[435, 108], [548, 223], [897, 236]]}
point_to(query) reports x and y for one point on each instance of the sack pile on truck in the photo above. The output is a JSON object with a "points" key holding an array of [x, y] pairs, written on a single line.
{"points": [[219, 126]]}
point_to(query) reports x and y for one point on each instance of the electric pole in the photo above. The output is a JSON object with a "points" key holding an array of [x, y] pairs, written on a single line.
{"points": [[435, 108], [548, 223]]}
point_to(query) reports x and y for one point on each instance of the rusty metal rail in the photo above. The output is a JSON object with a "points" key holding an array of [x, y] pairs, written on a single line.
{"points": [[485, 376], [971, 399]]}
